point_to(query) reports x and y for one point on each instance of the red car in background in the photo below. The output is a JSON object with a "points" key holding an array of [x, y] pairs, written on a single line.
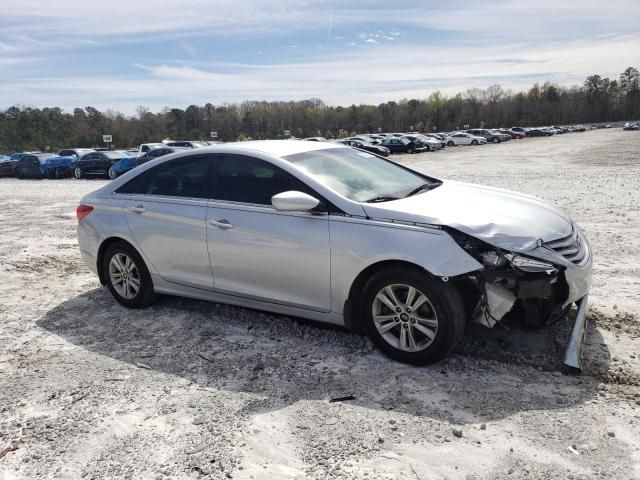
{"points": [[515, 135]]}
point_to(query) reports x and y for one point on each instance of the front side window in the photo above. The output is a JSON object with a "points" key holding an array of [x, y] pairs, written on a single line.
{"points": [[182, 177], [358, 175], [244, 179]]}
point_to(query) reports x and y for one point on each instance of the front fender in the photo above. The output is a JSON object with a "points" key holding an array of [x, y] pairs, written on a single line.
{"points": [[357, 243]]}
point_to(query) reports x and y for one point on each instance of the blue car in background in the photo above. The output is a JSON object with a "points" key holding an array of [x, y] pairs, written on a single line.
{"points": [[58, 166], [125, 164], [6, 166]]}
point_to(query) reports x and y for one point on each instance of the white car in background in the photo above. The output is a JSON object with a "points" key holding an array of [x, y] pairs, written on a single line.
{"points": [[147, 147], [463, 138]]}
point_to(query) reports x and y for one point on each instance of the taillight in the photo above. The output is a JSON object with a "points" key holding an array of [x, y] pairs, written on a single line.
{"points": [[83, 210]]}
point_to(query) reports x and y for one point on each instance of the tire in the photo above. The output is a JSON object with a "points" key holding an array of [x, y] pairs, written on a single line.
{"points": [[115, 264], [77, 173], [443, 316], [450, 143], [410, 150], [495, 140], [474, 142], [18, 174], [112, 174]]}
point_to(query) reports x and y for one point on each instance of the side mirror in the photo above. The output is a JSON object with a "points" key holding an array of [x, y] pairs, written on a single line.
{"points": [[294, 201]]}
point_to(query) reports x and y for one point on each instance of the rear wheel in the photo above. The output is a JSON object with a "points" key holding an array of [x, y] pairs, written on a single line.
{"points": [[77, 173], [112, 173], [495, 140], [450, 143], [127, 276], [410, 150], [412, 317]]}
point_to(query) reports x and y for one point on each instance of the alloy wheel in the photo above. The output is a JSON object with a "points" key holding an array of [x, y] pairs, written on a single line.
{"points": [[404, 317], [77, 172], [124, 276], [112, 173]]}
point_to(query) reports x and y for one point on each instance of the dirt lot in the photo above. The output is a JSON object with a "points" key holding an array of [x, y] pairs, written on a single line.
{"points": [[189, 389]]}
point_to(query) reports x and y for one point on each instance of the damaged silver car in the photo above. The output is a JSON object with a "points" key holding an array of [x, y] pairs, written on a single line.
{"points": [[337, 235]]}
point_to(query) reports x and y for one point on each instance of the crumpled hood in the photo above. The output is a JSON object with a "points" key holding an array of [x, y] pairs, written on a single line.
{"points": [[502, 218]]}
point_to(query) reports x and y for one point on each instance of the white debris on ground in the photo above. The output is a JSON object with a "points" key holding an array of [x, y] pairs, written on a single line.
{"points": [[189, 389]]}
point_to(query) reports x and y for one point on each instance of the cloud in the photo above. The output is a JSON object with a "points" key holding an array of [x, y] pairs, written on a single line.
{"points": [[341, 79], [122, 53]]}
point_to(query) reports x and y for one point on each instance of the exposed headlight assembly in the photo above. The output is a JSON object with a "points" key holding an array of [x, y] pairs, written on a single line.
{"points": [[527, 264]]}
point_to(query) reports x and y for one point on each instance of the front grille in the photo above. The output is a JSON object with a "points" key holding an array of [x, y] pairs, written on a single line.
{"points": [[573, 247]]}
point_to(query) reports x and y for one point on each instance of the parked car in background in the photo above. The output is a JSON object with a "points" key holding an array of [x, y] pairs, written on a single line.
{"points": [[464, 138], [403, 257], [401, 145], [518, 130], [489, 135], [512, 134], [7, 165], [58, 166], [77, 152], [429, 144], [147, 147], [97, 163], [365, 138], [538, 132], [369, 147], [30, 165], [128, 163], [187, 144], [631, 126], [438, 136], [311, 139]]}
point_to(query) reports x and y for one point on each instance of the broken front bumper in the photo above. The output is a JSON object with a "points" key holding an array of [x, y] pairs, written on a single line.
{"points": [[573, 354]]}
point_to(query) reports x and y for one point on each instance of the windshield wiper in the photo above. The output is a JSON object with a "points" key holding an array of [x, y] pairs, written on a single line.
{"points": [[424, 186], [381, 198]]}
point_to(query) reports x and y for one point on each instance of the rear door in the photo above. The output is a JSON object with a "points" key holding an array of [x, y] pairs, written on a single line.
{"points": [[258, 252], [166, 217]]}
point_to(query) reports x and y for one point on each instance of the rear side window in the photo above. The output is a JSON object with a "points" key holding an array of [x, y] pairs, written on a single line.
{"points": [[183, 177], [250, 180]]}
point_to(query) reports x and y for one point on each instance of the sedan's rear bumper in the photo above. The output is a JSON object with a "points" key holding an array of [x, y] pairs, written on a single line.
{"points": [[573, 354]]}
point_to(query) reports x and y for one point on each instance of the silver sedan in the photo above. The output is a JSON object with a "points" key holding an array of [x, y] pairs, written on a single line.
{"points": [[338, 235]]}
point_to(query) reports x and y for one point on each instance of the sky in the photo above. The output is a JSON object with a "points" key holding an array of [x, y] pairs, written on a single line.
{"points": [[121, 54]]}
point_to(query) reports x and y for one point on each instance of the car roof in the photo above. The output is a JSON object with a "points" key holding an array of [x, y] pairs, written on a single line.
{"points": [[276, 148]]}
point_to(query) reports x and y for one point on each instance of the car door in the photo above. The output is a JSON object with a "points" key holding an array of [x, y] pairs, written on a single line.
{"points": [[461, 139], [258, 252], [166, 217]]}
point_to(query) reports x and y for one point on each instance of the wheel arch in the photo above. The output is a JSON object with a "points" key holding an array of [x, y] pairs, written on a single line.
{"points": [[351, 312], [102, 249]]}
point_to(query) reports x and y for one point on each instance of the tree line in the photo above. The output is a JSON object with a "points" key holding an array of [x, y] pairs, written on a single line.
{"points": [[596, 100]]}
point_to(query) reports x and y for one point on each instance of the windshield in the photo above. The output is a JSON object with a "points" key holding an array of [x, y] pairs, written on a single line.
{"points": [[358, 175]]}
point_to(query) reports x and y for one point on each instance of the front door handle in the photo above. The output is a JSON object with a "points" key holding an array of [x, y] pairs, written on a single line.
{"points": [[222, 223], [137, 209]]}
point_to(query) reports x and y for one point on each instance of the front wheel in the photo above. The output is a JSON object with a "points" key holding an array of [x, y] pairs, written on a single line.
{"points": [[411, 317], [474, 142], [410, 150], [77, 173], [450, 143], [112, 173], [127, 276]]}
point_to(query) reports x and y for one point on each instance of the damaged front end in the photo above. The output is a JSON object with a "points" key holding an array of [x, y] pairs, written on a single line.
{"points": [[535, 289]]}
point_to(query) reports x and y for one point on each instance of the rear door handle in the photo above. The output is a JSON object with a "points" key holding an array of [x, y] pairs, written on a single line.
{"points": [[222, 223], [137, 209]]}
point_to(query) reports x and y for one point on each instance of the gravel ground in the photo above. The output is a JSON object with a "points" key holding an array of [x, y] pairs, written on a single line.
{"points": [[189, 389]]}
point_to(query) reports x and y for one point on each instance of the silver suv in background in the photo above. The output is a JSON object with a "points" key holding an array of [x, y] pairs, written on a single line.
{"points": [[490, 135], [334, 234]]}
